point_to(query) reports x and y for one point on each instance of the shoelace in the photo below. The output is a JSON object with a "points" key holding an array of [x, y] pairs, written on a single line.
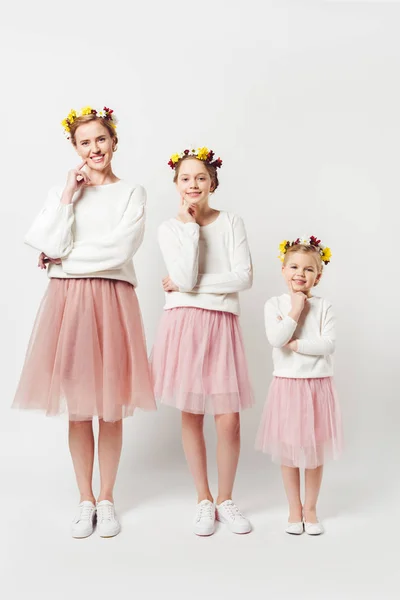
{"points": [[84, 514], [233, 510], [205, 510], [105, 512]]}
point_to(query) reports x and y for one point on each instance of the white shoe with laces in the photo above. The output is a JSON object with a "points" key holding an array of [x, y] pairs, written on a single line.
{"points": [[204, 523], [83, 524], [107, 522], [228, 513]]}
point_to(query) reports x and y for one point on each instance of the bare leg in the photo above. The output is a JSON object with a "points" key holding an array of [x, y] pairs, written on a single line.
{"points": [[195, 451], [313, 480], [228, 450], [110, 445], [291, 481], [81, 446]]}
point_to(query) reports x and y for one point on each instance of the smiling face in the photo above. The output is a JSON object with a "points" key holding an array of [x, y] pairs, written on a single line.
{"points": [[302, 269], [193, 181], [94, 143]]}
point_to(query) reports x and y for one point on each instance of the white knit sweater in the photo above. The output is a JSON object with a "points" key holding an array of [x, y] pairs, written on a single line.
{"points": [[95, 236], [209, 264], [315, 333]]}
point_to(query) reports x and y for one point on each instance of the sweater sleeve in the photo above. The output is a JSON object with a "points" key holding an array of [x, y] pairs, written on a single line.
{"points": [[51, 231], [324, 344], [279, 330], [181, 254], [240, 277], [116, 248]]}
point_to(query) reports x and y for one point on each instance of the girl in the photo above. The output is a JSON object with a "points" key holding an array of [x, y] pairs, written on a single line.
{"points": [[198, 360], [87, 351], [301, 424]]}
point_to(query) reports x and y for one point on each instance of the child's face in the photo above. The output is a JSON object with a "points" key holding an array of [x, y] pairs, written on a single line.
{"points": [[301, 272], [94, 143], [194, 182]]}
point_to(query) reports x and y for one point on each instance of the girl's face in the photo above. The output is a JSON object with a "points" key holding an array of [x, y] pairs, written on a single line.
{"points": [[194, 182], [95, 145], [301, 272]]}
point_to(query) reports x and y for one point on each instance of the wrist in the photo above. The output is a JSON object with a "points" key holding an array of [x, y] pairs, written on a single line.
{"points": [[67, 197], [295, 314]]}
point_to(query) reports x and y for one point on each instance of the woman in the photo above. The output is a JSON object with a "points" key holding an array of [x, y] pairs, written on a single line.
{"points": [[87, 352]]}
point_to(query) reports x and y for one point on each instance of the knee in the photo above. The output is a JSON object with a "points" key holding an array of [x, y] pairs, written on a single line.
{"points": [[80, 425], [228, 426], [192, 421], [110, 425]]}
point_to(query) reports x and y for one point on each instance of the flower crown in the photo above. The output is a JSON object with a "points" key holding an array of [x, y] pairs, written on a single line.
{"points": [[324, 251], [105, 113], [203, 154]]}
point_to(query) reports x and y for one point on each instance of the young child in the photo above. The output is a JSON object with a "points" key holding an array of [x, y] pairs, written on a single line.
{"points": [[87, 352], [198, 360], [301, 423]]}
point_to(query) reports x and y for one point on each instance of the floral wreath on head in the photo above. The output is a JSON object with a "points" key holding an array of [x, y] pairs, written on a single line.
{"points": [[324, 251], [106, 113], [203, 154]]}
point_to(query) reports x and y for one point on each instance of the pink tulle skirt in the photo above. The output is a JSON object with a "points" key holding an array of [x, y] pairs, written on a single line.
{"points": [[199, 364], [301, 423], [87, 353]]}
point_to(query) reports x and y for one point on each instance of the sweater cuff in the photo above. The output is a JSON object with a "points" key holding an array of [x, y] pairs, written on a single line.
{"points": [[68, 209], [300, 346], [290, 321]]}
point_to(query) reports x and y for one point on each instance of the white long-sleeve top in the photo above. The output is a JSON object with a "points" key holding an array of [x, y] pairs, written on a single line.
{"points": [[315, 333], [209, 264], [95, 236]]}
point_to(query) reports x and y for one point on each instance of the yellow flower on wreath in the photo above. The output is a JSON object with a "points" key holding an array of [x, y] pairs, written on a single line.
{"points": [[282, 247], [175, 158], [86, 110], [326, 254], [65, 124], [202, 153]]}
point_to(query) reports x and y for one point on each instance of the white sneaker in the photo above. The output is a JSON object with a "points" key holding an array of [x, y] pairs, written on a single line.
{"points": [[107, 522], [314, 528], [82, 525], [295, 528], [228, 513], [204, 523]]}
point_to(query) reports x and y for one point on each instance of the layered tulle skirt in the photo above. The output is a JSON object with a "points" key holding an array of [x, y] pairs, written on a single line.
{"points": [[301, 422], [199, 363], [87, 353]]}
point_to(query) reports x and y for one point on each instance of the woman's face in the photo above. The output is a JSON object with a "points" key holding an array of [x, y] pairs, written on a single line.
{"points": [[95, 145], [194, 182]]}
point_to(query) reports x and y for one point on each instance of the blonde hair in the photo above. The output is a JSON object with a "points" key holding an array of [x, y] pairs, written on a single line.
{"points": [[86, 119]]}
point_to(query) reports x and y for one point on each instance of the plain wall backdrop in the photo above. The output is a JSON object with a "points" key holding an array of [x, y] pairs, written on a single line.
{"points": [[301, 101]]}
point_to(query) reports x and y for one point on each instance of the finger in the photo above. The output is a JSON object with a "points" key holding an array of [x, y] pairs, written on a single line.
{"points": [[43, 259], [81, 176], [81, 165]]}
